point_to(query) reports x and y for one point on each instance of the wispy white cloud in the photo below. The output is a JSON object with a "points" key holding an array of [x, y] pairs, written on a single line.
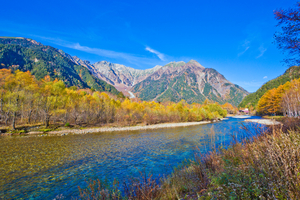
{"points": [[262, 50], [96, 51], [265, 77], [245, 46], [241, 53], [160, 55], [137, 60], [101, 52], [131, 58]]}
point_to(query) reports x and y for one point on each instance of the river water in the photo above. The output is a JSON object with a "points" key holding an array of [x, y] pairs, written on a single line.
{"points": [[34, 167]]}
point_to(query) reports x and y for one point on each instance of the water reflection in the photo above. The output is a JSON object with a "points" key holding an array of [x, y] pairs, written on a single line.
{"points": [[43, 167]]}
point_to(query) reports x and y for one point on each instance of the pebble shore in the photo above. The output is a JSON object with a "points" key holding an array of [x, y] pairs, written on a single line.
{"points": [[264, 121], [128, 128]]}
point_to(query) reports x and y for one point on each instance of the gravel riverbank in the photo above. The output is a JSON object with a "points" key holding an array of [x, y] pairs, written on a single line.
{"points": [[264, 121], [128, 128], [241, 116]]}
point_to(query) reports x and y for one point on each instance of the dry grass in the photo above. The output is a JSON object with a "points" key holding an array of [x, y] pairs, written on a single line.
{"points": [[98, 190], [268, 167], [273, 117]]}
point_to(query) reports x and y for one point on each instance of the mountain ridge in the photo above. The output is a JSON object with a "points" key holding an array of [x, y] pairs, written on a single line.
{"points": [[253, 98], [189, 81], [207, 83], [29, 55], [172, 82]]}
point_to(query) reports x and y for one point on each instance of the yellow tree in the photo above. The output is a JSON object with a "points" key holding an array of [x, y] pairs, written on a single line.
{"points": [[230, 108], [266, 102], [4, 73], [12, 97], [73, 104], [30, 88], [18, 85], [270, 102], [98, 107], [88, 104], [290, 101], [50, 98], [13, 89]]}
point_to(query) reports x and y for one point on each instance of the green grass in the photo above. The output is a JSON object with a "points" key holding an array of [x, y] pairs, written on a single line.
{"points": [[46, 130], [17, 131]]}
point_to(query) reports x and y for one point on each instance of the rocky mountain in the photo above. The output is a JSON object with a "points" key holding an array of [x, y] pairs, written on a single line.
{"points": [[28, 55], [121, 76], [172, 82], [253, 98], [189, 81]]}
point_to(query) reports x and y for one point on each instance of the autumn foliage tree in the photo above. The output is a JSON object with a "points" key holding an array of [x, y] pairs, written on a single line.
{"points": [[18, 88], [284, 99], [270, 102], [290, 102], [230, 108], [24, 100]]}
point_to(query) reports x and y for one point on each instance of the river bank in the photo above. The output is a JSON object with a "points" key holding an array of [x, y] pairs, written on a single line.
{"points": [[269, 122], [141, 127], [128, 128], [266, 166], [115, 129], [255, 169], [45, 167]]}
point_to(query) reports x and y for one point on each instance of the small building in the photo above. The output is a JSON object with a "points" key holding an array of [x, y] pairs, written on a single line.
{"points": [[245, 111]]}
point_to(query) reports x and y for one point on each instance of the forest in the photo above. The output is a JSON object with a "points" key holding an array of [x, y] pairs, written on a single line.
{"points": [[281, 100], [252, 99], [28, 55], [24, 100]]}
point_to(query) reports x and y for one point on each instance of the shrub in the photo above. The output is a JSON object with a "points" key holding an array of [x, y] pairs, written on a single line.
{"points": [[266, 167], [46, 130]]}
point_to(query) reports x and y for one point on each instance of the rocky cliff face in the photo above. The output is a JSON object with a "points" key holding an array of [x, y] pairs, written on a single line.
{"points": [[172, 82], [189, 81], [122, 75]]}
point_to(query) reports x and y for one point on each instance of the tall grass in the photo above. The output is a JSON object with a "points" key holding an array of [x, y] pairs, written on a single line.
{"points": [[267, 167]]}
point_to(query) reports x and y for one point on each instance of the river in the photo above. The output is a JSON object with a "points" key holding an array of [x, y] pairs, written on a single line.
{"points": [[43, 167]]}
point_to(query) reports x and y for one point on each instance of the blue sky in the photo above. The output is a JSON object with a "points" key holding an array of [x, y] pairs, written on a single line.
{"points": [[234, 37]]}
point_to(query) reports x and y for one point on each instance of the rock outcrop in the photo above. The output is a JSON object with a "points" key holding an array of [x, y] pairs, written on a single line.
{"points": [[189, 81], [173, 82]]}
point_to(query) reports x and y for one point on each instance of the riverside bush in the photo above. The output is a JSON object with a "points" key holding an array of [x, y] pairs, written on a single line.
{"points": [[266, 167]]}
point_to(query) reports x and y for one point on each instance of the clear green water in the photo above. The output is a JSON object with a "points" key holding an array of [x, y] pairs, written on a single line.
{"points": [[44, 167]]}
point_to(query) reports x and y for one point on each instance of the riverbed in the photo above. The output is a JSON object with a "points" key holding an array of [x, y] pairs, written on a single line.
{"points": [[35, 167]]}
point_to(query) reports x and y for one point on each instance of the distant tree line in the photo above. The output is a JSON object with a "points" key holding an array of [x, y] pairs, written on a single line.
{"points": [[25, 100]]}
